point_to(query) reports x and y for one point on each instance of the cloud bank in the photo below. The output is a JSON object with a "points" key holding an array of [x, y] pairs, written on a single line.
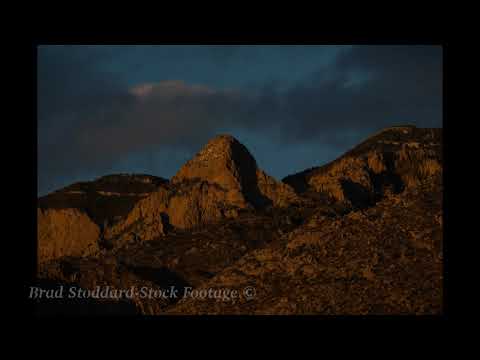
{"points": [[90, 118]]}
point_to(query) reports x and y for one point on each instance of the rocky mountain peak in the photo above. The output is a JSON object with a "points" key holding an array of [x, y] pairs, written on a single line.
{"points": [[222, 142], [221, 155], [227, 162]]}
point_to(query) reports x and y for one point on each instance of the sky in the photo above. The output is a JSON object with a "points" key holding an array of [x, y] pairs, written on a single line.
{"points": [[148, 109]]}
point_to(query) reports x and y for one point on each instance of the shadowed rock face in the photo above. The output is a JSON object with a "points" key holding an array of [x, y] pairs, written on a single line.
{"points": [[361, 235]]}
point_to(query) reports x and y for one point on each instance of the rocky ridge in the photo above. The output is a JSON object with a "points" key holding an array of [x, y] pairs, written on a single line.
{"points": [[361, 235], [106, 199], [388, 162]]}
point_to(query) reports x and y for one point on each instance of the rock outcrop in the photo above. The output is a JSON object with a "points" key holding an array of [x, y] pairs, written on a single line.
{"points": [[184, 205], [65, 232], [278, 194]]}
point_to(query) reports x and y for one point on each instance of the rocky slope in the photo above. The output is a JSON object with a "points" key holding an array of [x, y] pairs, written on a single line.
{"points": [[361, 235], [386, 259]]}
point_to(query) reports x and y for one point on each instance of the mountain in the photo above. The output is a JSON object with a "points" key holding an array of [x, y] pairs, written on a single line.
{"points": [[360, 235], [220, 182], [228, 163]]}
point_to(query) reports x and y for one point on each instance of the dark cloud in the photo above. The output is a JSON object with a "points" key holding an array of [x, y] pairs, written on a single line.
{"points": [[90, 118], [369, 88]]}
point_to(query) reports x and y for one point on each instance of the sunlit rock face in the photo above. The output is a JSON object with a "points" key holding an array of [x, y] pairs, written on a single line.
{"points": [[185, 205], [65, 232]]}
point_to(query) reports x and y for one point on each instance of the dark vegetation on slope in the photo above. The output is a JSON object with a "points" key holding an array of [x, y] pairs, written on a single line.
{"points": [[106, 199]]}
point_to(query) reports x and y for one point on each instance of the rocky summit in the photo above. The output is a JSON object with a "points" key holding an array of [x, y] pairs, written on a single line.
{"points": [[360, 235], [228, 163]]}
